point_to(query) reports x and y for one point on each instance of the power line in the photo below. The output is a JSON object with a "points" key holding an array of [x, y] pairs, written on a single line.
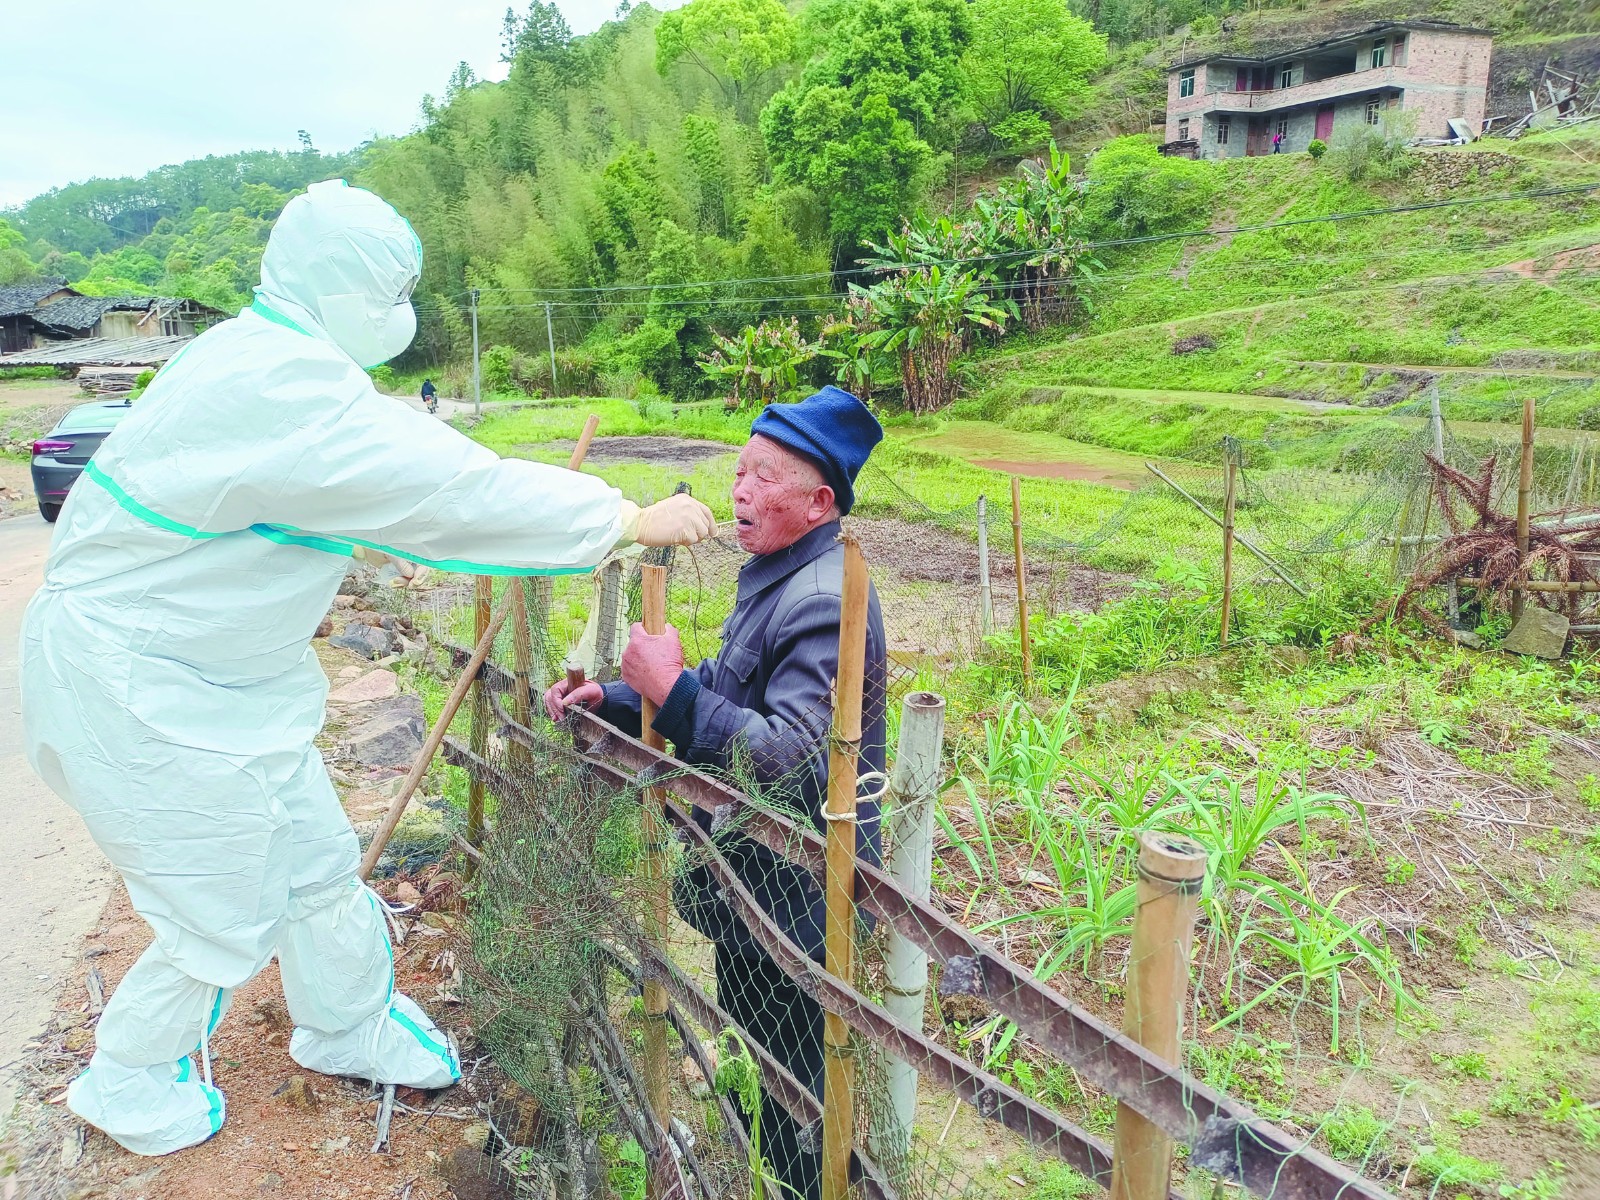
{"points": [[1107, 244]]}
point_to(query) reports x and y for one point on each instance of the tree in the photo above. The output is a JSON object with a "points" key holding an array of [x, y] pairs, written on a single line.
{"points": [[859, 126], [863, 158], [1029, 56], [1135, 190], [542, 34], [736, 43]]}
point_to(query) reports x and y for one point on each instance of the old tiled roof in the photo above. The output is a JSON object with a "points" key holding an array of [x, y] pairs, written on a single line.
{"points": [[24, 297], [82, 312]]}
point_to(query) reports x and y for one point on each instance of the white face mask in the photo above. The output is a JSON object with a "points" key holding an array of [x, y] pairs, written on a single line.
{"points": [[371, 336]]}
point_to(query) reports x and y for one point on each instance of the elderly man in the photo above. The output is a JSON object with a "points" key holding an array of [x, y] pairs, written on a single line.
{"points": [[762, 707]]}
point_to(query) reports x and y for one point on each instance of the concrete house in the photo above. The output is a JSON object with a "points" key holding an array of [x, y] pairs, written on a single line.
{"points": [[1434, 73]]}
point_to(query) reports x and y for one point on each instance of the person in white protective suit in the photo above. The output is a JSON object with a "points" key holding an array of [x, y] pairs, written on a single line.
{"points": [[169, 691]]}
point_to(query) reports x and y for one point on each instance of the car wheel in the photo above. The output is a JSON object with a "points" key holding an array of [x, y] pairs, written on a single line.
{"points": [[50, 512]]}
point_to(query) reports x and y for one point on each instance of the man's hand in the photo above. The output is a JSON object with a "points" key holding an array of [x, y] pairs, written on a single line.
{"points": [[562, 696], [652, 662]]}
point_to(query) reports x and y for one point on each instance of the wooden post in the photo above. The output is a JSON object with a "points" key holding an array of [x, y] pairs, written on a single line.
{"points": [[582, 449], [913, 788], [441, 725], [1524, 489], [482, 603], [1171, 870], [1266, 561], [1022, 583], [654, 829], [838, 1088], [985, 592], [1229, 486], [522, 666], [1453, 596]]}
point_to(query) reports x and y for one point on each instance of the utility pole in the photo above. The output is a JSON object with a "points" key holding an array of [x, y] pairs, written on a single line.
{"points": [[477, 373], [550, 333]]}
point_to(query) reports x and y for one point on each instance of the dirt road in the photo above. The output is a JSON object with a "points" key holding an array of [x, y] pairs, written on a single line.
{"points": [[55, 881]]}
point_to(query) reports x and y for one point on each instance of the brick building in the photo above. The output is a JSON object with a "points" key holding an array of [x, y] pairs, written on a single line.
{"points": [[1430, 72]]}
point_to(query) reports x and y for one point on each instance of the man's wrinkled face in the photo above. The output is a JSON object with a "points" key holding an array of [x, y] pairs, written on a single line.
{"points": [[778, 497]]}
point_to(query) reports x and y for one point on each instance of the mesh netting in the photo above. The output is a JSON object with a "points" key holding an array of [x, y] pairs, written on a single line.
{"points": [[1037, 854]]}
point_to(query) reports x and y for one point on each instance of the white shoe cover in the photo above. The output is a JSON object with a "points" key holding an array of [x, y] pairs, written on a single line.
{"points": [[148, 1110], [398, 1045]]}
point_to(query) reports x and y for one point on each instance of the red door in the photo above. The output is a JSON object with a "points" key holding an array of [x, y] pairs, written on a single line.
{"points": [[1324, 122]]}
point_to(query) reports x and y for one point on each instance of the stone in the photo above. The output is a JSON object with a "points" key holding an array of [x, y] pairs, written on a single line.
{"points": [[392, 736], [342, 601], [324, 627], [374, 685], [1540, 633], [476, 1134], [296, 1092], [365, 640], [1465, 637]]}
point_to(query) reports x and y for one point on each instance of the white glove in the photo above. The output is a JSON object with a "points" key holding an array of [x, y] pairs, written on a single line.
{"points": [[406, 573], [679, 520]]}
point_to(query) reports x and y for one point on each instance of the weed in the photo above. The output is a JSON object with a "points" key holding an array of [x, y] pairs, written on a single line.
{"points": [[1398, 871], [1542, 1185], [1467, 1118], [1445, 1166], [1584, 1118], [1354, 1133], [1472, 1064]]}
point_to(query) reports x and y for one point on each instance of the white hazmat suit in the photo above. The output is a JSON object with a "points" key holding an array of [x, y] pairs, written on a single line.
{"points": [[169, 691]]}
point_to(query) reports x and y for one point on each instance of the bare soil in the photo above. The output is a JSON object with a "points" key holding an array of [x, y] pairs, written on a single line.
{"points": [[16, 488], [1061, 470], [678, 453]]}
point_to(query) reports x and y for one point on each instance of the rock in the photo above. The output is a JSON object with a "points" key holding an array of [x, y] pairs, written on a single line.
{"points": [[476, 1135], [324, 627], [342, 601], [270, 1182], [297, 1093], [375, 685], [335, 1145], [406, 893], [392, 736], [1540, 633], [1465, 637], [694, 1079], [366, 641], [79, 1039]]}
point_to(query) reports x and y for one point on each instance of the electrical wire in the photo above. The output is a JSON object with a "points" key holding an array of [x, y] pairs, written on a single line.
{"points": [[1110, 243]]}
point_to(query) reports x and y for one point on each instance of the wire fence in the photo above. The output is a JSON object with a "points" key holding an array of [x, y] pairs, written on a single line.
{"points": [[1037, 865]]}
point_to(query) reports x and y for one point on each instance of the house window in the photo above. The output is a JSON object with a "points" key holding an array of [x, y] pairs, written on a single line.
{"points": [[1222, 131], [1374, 109], [1399, 48], [1186, 83], [1286, 75], [1183, 130], [1379, 52], [1283, 127]]}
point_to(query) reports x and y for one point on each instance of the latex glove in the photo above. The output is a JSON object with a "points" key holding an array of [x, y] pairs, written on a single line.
{"points": [[652, 662], [562, 695], [406, 571], [679, 520]]}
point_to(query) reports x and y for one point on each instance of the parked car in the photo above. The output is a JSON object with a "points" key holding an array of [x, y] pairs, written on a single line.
{"points": [[60, 455]]}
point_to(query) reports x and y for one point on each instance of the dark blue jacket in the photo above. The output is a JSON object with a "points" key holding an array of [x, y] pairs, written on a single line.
{"points": [[760, 712]]}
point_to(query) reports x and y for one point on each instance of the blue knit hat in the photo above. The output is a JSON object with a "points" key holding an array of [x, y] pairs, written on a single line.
{"points": [[831, 428]]}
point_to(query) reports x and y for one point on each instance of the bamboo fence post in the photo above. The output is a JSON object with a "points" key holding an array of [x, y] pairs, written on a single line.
{"points": [[1524, 488], [838, 1088], [654, 828], [419, 768], [1171, 870], [1453, 595], [522, 666], [1229, 485], [482, 603], [582, 449], [1022, 583], [913, 787], [1266, 560], [985, 592]]}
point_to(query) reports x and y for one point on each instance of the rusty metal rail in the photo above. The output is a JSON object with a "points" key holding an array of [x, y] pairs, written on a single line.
{"points": [[1224, 1136]]}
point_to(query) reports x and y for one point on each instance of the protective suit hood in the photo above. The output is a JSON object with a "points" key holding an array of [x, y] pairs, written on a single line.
{"points": [[341, 264]]}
